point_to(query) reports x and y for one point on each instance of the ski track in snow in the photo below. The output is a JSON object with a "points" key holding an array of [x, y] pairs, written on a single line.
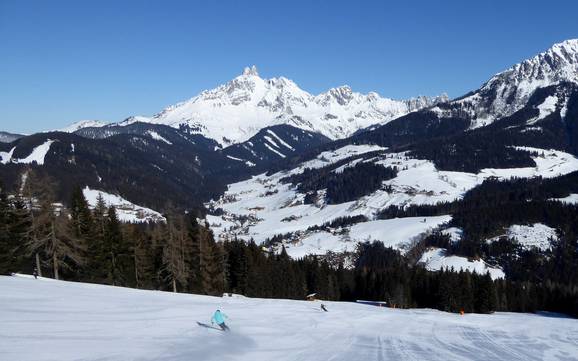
{"points": [[53, 320]]}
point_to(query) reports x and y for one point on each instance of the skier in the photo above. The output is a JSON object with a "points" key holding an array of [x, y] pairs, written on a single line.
{"points": [[35, 273], [219, 318], [324, 308]]}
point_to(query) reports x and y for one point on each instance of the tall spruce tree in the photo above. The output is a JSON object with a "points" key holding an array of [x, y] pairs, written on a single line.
{"points": [[119, 259]]}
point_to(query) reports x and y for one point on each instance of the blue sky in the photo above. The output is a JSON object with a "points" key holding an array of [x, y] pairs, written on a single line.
{"points": [[62, 61]]}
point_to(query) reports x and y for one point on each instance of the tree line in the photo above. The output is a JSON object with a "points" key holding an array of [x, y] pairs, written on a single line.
{"points": [[75, 242]]}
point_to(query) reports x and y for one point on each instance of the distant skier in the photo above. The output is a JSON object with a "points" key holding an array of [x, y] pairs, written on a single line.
{"points": [[35, 273], [219, 318], [324, 308]]}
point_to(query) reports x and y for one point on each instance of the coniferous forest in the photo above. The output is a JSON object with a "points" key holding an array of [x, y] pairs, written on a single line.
{"points": [[74, 242]]}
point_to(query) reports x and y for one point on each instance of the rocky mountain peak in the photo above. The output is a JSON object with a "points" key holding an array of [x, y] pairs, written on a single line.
{"points": [[250, 71]]}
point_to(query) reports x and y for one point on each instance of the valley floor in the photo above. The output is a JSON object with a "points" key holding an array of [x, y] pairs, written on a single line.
{"points": [[49, 320]]}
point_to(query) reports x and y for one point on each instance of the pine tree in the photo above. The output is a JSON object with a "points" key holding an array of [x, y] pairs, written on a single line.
{"points": [[193, 253], [118, 258], [143, 257], [485, 300], [81, 217], [98, 252], [8, 244], [211, 264]]}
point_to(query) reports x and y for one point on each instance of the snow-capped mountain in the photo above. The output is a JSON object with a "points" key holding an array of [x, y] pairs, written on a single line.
{"points": [[236, 111], [81, 124], [508, 91]]}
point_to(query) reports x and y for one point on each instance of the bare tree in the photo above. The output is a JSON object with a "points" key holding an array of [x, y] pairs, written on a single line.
{"points": [[50, 235], [174, 264]]}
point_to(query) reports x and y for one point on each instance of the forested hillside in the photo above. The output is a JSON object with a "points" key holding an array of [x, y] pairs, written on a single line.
{"points": [[91, 245]]}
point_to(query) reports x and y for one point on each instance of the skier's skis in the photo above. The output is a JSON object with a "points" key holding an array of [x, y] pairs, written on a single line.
{"points": [[209, 326]]}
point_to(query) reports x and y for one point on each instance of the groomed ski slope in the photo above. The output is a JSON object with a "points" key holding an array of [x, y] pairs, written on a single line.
{"points": [[54, 320]]}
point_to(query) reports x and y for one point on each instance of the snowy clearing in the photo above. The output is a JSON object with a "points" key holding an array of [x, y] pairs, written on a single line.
{"points": [[546, 108], [537, 235], [397, 232], [53, 320], [454, 233], [436, 259], [38, 154], [6, 156], [126, 211], [157, 136], [570, 199]]}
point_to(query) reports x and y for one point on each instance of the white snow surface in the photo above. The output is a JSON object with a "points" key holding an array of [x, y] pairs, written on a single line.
{"points": [[263, 207], [455, 233], [280, 140], [82, 124], [436, 259], [397, 232], [5, 157], [37, 155], [157, 136], [235, 111], [548, 106], [537, 235], [570, 199], [45, 320], [126, 211]]}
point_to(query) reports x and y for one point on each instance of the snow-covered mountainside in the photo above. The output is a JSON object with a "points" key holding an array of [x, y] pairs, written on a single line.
{"points": [[36, 156], [65, 321], [274, 143], [81, 125], [235, 111], [268, 205], [6, 137], [149, 165], [510, 90]]}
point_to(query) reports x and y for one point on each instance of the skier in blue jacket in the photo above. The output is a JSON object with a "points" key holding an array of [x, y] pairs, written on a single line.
{"points": [[219, 318]]}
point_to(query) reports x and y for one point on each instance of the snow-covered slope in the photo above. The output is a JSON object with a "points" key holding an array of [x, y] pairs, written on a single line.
{"points": [[237, 110], [530, 236], [81, 124], [437, 259], [36, 156], [508, 91], [53, 320], [274, 143], [264, 206], [125, 210], [570, 199]]}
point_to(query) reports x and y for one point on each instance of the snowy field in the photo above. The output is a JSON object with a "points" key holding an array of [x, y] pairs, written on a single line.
{"points": [[52, 320], [436, 259], [126, 211]]}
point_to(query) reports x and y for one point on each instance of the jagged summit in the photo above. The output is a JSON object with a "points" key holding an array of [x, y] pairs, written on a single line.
{"points": [[559, 63], [508, 91], [251, 71], [235, 111]]}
